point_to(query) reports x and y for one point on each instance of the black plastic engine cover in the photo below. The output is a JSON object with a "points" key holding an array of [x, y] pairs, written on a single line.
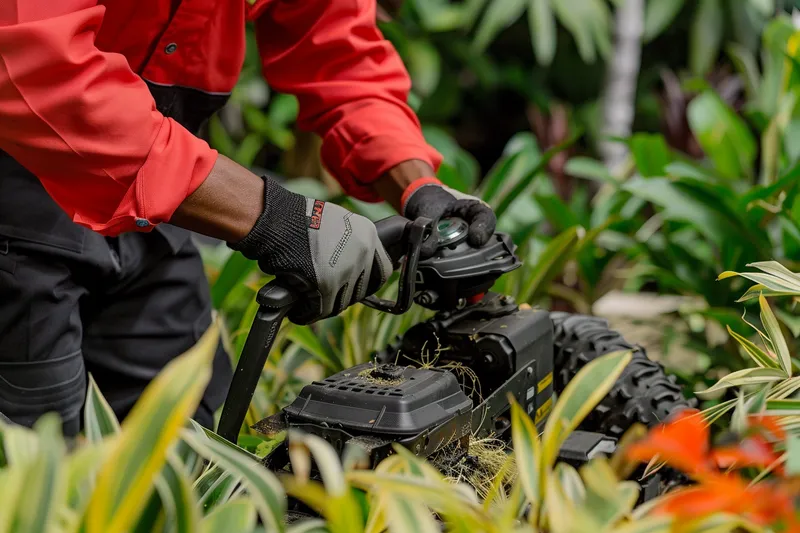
{"points": [[385, 401]]}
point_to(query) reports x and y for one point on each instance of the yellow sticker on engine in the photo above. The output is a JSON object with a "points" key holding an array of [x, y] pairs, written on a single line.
{"points": [[543, 410], [547, 380]]}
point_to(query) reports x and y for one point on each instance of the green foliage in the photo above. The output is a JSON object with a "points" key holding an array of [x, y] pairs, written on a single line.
{"points": [[154, 473]]}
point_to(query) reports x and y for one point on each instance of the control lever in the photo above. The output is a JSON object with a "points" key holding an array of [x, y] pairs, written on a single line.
{"points": [[400, 237], [275, 300]]}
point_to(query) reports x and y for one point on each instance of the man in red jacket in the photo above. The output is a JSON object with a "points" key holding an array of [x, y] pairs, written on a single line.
{"points": [[101, 176]]}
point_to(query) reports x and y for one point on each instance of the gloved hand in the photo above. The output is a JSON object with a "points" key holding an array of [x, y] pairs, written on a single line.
{"points": [[331, 256], [428, 197]]}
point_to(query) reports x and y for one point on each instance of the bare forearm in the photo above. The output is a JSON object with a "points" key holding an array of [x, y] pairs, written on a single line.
{"points": [[391, 185], [226, 205]]}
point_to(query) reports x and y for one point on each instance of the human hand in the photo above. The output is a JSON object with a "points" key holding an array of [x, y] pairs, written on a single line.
{"points": [[428, 197], [331, 256]]}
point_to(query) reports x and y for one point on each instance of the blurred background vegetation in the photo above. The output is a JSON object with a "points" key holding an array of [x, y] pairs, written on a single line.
{"points": [[634, 149]]}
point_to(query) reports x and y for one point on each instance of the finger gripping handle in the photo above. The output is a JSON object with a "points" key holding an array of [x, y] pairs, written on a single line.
{"points": [[393, 234], [405, 244]]}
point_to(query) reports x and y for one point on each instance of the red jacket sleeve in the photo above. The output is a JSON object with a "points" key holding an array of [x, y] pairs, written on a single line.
{"points": [[350, 82], [85, 124]]}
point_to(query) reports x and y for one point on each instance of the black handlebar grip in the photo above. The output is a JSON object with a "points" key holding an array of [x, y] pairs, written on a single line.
{"points": [[393, 234]]}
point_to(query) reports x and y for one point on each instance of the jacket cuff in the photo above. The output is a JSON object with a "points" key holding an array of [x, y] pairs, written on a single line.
{"points": [[414, 187], [177, 164], [357, 158]]}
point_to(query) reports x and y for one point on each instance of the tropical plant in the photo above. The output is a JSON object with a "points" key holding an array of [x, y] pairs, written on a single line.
{"points": [[155, 473], [770, 388], [147, 474]]}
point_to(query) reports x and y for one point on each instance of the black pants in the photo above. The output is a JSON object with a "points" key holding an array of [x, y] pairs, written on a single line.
{"points": [[73, 301]]}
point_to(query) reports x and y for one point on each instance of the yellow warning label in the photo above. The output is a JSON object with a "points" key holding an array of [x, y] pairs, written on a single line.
{"points": [[543, 410], [547, 380]]}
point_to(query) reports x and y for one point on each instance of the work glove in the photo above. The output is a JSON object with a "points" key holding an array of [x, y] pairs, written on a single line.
{"points": [[330, 256], [428, 197]]}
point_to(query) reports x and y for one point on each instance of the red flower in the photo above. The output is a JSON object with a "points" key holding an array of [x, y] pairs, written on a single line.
{"points": [[682, 443]]}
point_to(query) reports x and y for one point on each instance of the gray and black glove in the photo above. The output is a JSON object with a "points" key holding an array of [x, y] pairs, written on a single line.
{"points": [[429, 198], [331, 256]]}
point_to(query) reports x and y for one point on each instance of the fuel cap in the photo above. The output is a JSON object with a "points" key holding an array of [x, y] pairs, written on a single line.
{"points": [[452, 231]]}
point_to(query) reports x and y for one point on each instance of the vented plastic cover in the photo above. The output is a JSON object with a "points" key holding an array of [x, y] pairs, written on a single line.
{"points": [[388, 400]]}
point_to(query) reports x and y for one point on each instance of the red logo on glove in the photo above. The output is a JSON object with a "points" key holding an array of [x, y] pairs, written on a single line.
{"points": [[316, 214]]}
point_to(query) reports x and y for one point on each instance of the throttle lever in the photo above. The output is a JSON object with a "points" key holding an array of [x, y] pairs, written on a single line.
{"points": [[402, 239]]}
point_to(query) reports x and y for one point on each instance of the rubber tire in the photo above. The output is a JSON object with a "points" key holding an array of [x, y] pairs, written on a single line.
{"points": [[643, 393]]}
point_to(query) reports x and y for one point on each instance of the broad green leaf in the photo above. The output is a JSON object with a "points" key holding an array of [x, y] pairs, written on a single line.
{"points": [[263, 488], [439, 16], [248, 149], [589, 23], [656, 524], [745, 62], [406, 515], [235, 516], [235, 271], [705, 37], [11, 481], [82, 466], [438, 495], [528, 455], [579, 398], [783, 407], [219, 138], [758, 355], [99, 420], [658, 15], [311, 526], [522, 185], [773, 331], [725, 523], [680, 202], [607, 499], [20, 444], [283, 109], [589, 169], [790, 320], [424, 66], [151, 518], [44, 485], [757, 290], [793, 455], [556, 211], [499, 15], [785, 276], [542, 26], [772, 139], [748, 376], [520, 155], [765, 8], [214, 487], [723, 135], [126, 478], [180, 506], [561, 513], [325, 458], [305, 337], [651, 154], [571, 483], [549, 264]]}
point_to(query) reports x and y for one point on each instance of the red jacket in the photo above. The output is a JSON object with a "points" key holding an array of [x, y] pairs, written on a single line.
{"points": [[85, 86]]}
